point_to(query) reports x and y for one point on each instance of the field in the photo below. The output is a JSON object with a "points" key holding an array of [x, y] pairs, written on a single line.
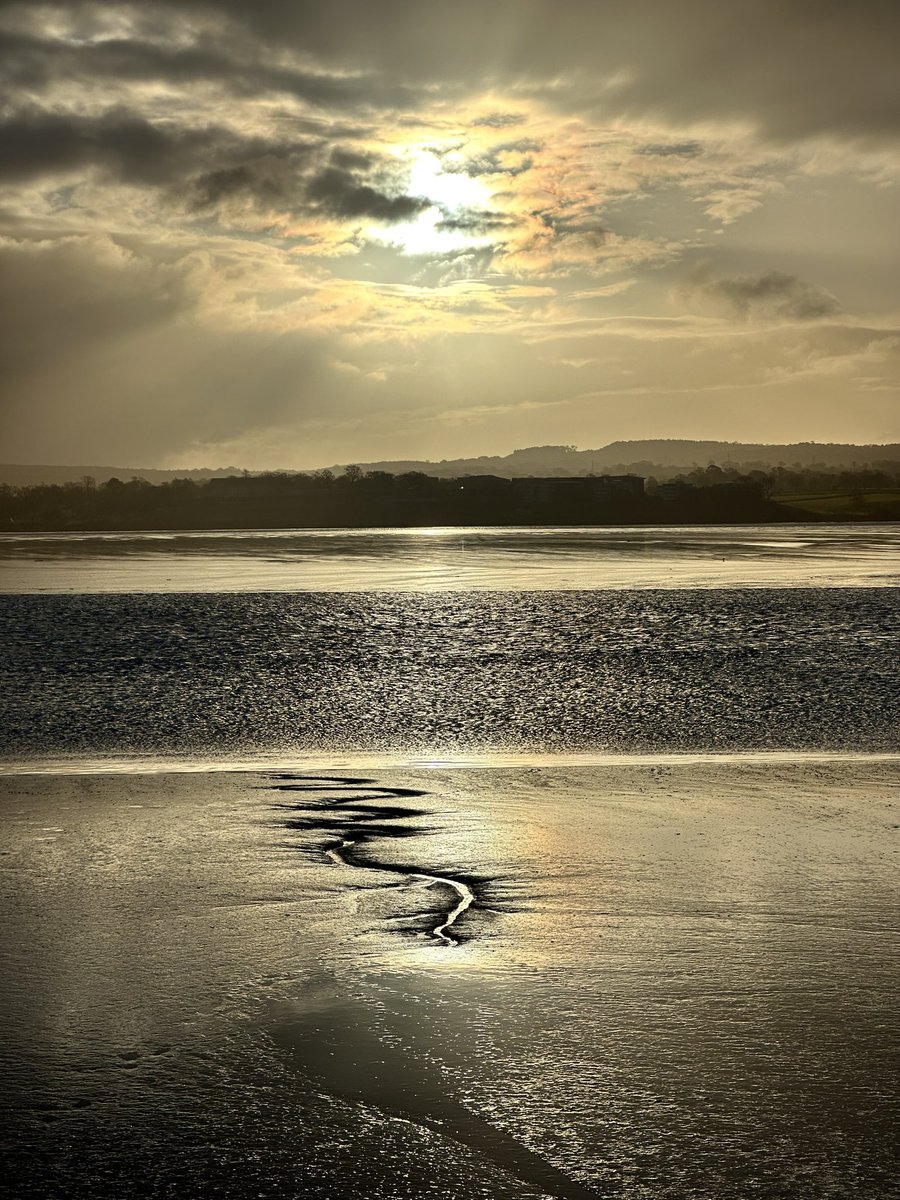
{"points": [[866, 506]]}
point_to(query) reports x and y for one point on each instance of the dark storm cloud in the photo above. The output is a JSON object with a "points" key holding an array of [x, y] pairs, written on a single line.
{"points": [[352, 160], [33, 63], [130, 149], [276, 182], [266, 182], [773, 294], [125, 145], [339, 194], [794, 70]]}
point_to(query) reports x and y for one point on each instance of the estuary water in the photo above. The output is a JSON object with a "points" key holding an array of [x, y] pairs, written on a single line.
{"points": [[438, 675], [450, 559], [448, 643], [452, 864]]}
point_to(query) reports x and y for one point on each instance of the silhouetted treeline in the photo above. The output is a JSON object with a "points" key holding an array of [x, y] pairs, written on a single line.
{"points": [[376, 498], [795, 481]]}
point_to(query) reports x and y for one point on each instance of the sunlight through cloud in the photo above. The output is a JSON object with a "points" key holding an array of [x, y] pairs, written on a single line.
{"points": [[451, 221]]}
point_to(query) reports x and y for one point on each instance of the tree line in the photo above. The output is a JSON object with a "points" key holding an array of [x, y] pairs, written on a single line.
{"points": [[796, 480], [322, 499]]}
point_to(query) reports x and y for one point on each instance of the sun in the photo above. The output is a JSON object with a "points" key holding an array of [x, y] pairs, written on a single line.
{"points": [[450, 222], [452, 189]]}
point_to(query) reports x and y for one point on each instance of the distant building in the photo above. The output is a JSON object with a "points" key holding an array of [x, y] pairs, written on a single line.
{"points": [[244, 487], [619, 485], [584, 489], [673, 491]]}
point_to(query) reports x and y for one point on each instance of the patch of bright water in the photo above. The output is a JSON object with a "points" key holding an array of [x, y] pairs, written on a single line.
{"points": [[437, 560]]}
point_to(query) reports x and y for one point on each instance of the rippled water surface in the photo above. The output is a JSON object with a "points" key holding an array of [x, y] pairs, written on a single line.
{"points": [[224, 675]]}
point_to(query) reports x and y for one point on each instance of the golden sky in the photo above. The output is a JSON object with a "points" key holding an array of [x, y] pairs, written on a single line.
{"points": [[289, 234]]}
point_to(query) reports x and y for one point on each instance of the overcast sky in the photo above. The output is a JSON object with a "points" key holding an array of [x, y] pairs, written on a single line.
{"points": [[289, 233]]}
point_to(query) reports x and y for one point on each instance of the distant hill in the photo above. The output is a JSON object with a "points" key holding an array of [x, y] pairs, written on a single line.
{"points": [[25, 476], [661, 458]]}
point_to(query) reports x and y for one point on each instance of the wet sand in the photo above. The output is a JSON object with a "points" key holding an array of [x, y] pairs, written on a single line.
{"points": [[659, 979]]}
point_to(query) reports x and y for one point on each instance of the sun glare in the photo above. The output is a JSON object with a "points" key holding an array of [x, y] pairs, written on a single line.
{"points": [[450, 221], [453, 190]]}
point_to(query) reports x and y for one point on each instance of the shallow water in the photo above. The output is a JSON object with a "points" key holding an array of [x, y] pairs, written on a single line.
{"points": [[235, 676], [404, 560]]}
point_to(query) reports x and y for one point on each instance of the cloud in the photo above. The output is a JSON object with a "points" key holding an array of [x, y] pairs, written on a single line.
{"points": [[207, 166], [208, 204], [772, 296], [267, 181], [338, 193], [34, 143], [130, 148], [499, 120], [478, 221], [792, 71], [241, 66], [334, 190], [60, 298], [111, 350], [507, 158], [672, 149]]}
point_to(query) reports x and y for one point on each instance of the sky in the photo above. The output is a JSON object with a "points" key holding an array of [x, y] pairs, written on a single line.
{"points": [[289, 234]]}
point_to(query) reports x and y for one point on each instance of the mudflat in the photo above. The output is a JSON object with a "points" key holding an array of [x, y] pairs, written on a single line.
{"points": [[659, 978]]}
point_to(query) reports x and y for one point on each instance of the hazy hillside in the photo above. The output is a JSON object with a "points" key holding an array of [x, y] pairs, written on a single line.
{"points": [[661, 458], [25, 476], [678, 453]]}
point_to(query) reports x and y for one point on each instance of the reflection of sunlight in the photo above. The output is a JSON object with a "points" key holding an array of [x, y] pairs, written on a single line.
{"points": [[453, 762], [455, 198]]}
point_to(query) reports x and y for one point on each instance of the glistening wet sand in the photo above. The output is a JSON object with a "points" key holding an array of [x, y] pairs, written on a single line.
{"points": [[673, 980]]}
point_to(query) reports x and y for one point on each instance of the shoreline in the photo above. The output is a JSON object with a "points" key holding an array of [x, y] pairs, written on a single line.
{"points": [[326, 760]]}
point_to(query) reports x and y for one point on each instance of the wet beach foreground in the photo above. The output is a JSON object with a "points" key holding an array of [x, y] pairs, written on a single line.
{"points": [[661, 979]]}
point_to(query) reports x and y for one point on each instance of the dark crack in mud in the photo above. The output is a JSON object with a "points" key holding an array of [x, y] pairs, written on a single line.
{"points": [[358, 811]]}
